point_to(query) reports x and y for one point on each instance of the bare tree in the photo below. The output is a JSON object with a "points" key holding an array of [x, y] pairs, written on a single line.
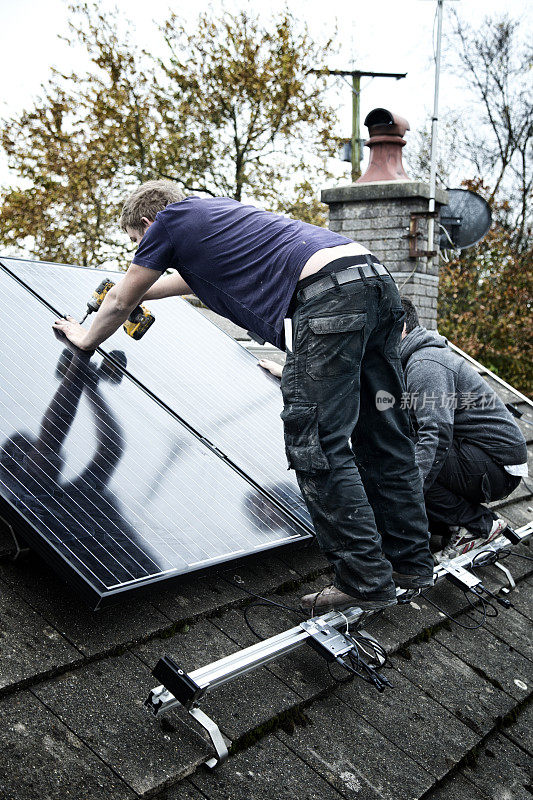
{"points": [[417, 154], [497, 138]]}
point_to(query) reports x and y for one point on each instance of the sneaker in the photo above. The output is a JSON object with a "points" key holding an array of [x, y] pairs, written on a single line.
{"points": [[463, 541], [404, 581], [331, 598]]}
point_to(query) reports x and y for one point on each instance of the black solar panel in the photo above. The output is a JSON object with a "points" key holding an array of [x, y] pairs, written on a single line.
{"points": [[203, 375], [115, 490]]}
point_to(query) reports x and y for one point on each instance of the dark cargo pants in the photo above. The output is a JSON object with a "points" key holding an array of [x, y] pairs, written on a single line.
{"points": [[468, 478], [342, 388]]}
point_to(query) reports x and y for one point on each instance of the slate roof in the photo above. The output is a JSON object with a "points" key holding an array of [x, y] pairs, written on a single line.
{"points": [[72, 682]]}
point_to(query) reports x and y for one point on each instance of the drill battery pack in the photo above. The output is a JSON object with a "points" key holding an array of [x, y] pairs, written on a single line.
{"points": [[138, 322]]}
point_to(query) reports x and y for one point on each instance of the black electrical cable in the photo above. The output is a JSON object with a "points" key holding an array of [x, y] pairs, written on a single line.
{"points": [[521, 555], [264, 601], [249, 625], [352, 669], [249, 608], [486, 603], [362, 642], [487, 557], [372, 676], [359, 667], [368, 673], [452, 619], [259, 597], [502, 601], [340, 681]]}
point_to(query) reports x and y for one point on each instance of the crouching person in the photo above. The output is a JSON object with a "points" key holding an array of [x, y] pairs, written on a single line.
{"points": [[468, 447]]}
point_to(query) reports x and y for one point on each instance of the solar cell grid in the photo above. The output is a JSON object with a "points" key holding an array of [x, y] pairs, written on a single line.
{"points": [[212, 382], [120, 494]]}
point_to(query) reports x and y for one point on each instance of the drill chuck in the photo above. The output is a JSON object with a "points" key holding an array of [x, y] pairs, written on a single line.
{"points": [[93, 305], [98, 295]]}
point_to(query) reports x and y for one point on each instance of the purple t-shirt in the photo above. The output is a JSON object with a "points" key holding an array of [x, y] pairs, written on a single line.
{"points": [[241, 262]]}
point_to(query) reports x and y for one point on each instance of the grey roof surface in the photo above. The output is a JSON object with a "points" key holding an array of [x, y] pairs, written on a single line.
{"points": [[72, 682]]}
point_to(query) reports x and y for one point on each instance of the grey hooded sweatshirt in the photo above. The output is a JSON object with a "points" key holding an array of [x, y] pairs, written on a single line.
{"points": [[448, 400]]}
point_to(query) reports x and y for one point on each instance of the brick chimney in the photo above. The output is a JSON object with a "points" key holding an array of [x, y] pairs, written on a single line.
{"points": [[387, 212]]}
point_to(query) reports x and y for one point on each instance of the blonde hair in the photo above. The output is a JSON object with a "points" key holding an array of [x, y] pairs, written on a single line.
{"points": [[146, 201]]}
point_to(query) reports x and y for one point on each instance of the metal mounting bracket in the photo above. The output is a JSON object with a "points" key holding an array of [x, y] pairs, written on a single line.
{"points": [[325, 639], [414, 234], [466, 560], [460, 576], [187, 688], [508, 575], [21, 550], [215, 734]]}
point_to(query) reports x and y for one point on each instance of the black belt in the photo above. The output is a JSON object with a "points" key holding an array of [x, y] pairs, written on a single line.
{"points": [[355, 273]]}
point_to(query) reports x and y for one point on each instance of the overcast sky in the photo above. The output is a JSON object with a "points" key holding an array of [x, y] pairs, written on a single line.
{"points": [[386, 36]]}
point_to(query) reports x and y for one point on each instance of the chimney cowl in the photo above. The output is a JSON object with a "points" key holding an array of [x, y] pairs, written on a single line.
{"points": [[386, 131], [383, 122]]}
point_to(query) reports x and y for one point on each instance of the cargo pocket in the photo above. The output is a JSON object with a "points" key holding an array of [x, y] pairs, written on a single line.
{"points": [[394, 336], [302, 444], [335, 344]]}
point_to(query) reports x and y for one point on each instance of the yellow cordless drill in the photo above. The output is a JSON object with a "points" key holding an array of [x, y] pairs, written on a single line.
{"points": [[138, 321]]}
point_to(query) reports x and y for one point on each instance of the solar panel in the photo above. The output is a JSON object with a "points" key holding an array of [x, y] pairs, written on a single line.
{"points": [[114, 489], [212, 382]]}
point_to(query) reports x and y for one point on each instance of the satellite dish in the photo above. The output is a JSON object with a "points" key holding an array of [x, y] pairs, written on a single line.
{"points": [[466, 218]]}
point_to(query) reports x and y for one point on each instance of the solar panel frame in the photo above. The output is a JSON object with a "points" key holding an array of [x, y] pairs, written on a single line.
{"points": [[98, 594], [96, 599]]}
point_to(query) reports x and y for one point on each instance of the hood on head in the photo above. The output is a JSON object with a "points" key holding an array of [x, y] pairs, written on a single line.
{"points": [[418, 338]]}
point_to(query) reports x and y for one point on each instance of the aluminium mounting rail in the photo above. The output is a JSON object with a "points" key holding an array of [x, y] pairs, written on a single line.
{"points": [[186, 689], [509, 536]]}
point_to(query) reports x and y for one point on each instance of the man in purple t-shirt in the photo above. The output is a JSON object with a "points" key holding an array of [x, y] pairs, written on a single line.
{"points": [[346, 435]]}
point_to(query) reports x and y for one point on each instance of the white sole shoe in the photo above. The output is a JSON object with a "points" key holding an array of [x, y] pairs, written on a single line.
{"points": [[463, 541]]}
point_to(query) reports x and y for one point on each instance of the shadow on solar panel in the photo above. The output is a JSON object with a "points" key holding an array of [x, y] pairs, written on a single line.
{"points": [[114, 487]]}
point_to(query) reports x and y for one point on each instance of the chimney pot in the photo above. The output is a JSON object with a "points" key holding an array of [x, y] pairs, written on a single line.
{"points": [[386, 131]]}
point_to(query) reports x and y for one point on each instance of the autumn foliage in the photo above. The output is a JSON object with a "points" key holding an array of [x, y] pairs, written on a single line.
{"points": [[228, 106]]}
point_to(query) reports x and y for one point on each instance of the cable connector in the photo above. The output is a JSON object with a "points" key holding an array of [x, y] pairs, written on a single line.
{"points": [[501, 600], [379, 681]]}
